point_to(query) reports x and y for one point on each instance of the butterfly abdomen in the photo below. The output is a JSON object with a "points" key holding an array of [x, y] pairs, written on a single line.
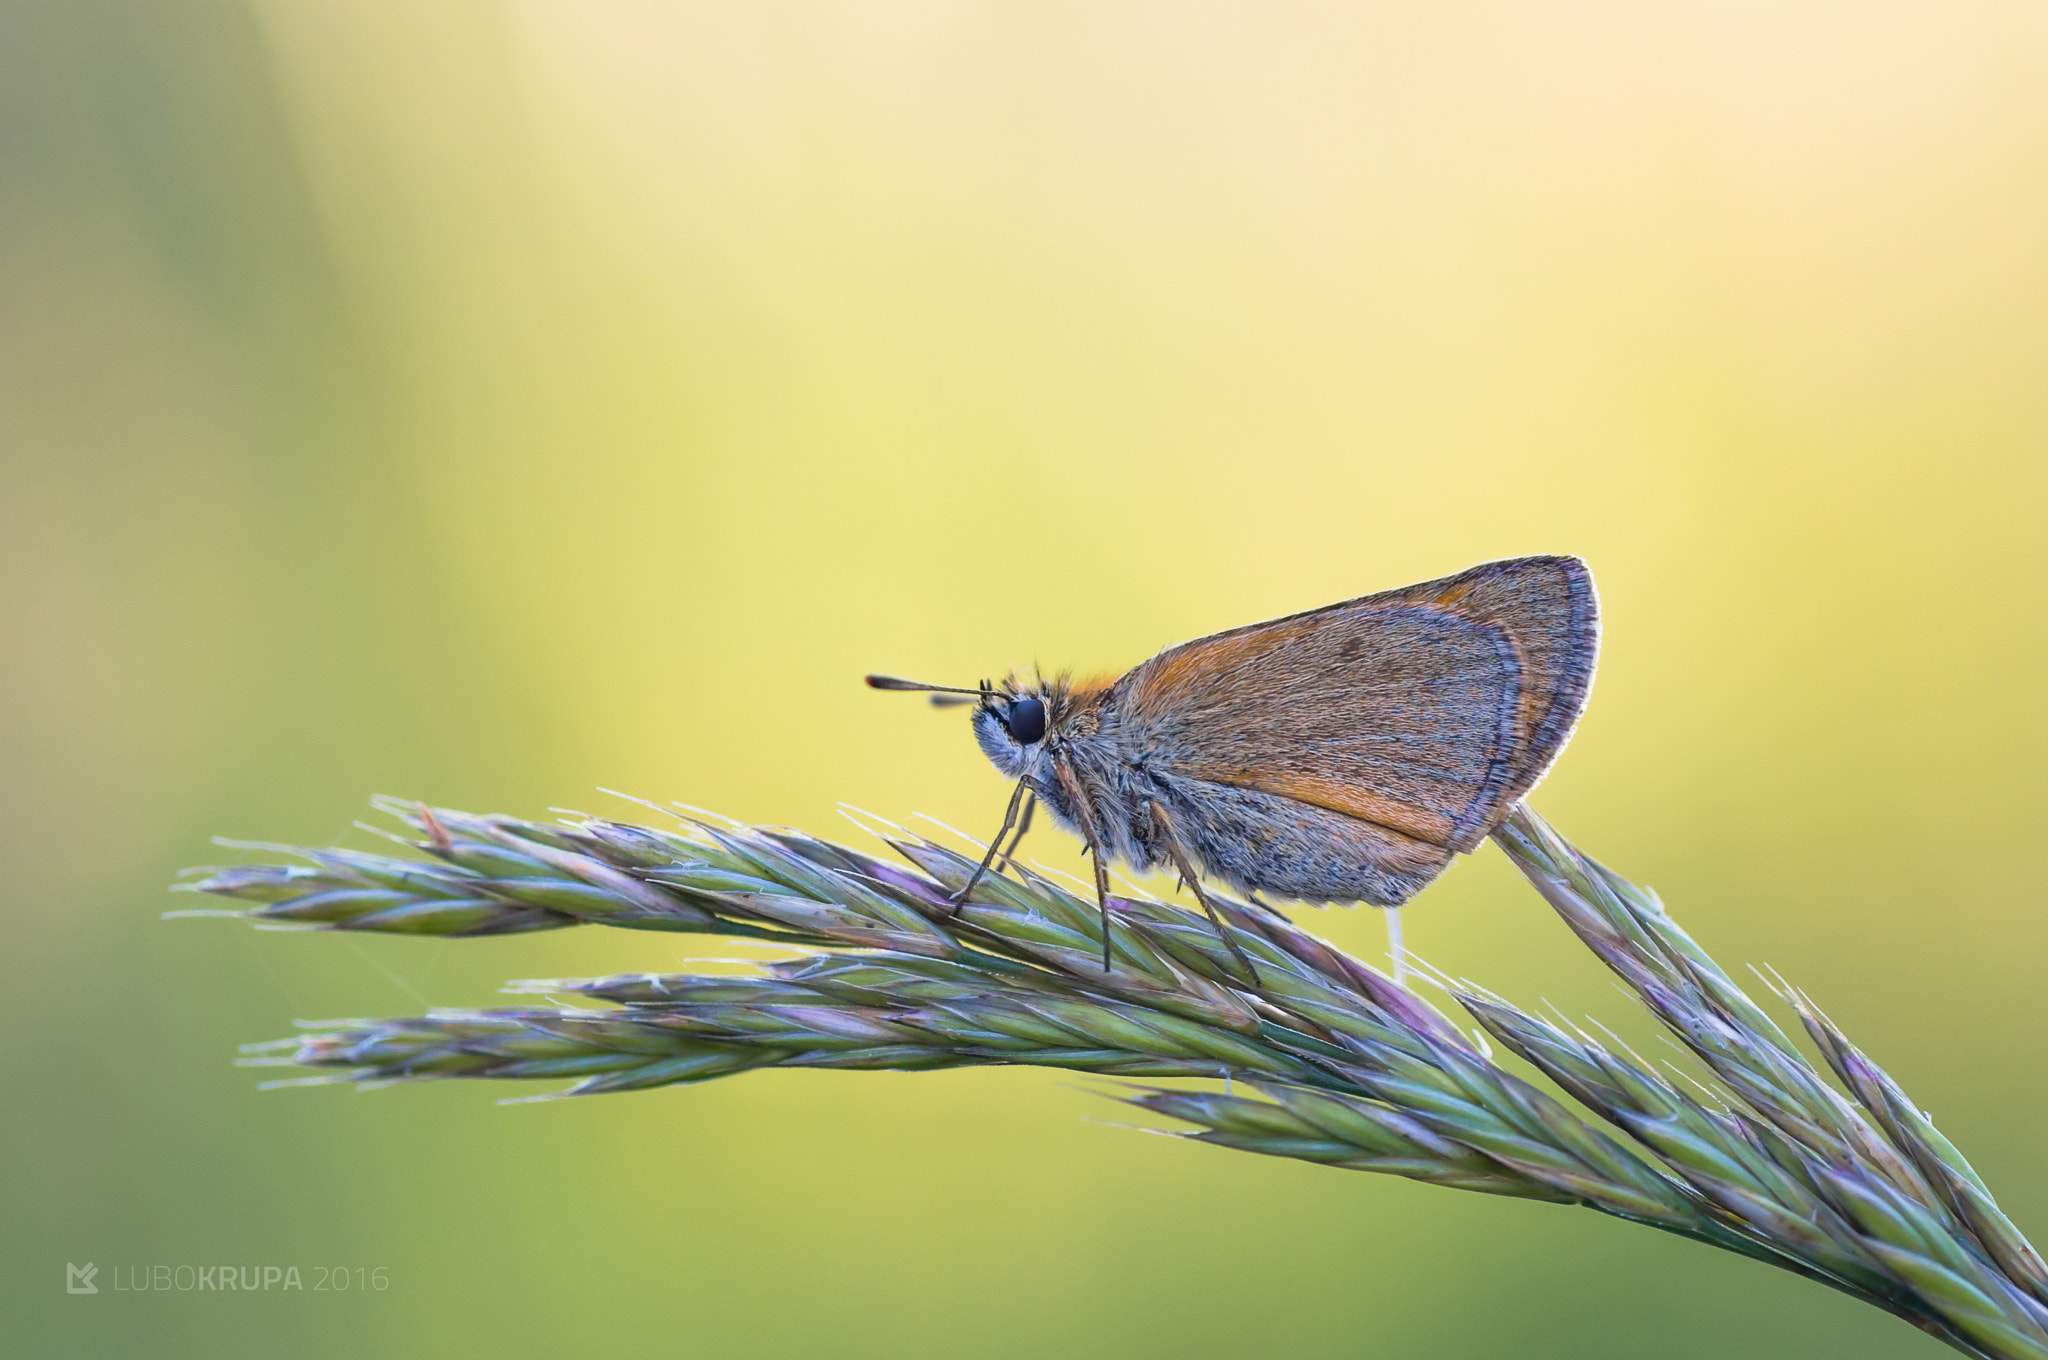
{"points": [[1261, 842]]}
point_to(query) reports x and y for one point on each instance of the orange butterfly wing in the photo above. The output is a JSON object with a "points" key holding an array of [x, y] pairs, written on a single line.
{"points": [[1428, 710]]}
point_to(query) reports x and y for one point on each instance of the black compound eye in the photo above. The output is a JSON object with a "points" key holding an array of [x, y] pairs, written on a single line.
{"points": [[1026, 720]]}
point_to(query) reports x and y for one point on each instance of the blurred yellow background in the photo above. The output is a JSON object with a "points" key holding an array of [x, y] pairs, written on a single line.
{"points": [[487, 403]]}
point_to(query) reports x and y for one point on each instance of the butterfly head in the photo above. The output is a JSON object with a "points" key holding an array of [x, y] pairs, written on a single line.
{"points": [[1011, 722], [1016, 720]]}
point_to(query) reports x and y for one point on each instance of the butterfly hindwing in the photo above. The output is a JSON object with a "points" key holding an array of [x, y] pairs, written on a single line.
{"points": [[1427, 711]]}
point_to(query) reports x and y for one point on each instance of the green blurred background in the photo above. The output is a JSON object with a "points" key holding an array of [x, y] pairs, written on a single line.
{"points": [[485, 403]]}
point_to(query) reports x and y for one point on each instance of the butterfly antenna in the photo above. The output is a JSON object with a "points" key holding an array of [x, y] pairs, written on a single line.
{"points": [[897, 682]]}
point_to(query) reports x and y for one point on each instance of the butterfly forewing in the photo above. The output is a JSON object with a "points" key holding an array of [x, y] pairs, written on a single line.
{"points": [[1427, 710]]}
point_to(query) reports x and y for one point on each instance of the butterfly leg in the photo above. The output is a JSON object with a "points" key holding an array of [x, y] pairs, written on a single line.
{"points": [[1102, 899], [1009, 820], [1164, 824], [1267, 907], [1070, 785], [1023, 825]]}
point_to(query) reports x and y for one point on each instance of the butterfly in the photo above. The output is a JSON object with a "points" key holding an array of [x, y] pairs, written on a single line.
{"points": [[1342, 755]]}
